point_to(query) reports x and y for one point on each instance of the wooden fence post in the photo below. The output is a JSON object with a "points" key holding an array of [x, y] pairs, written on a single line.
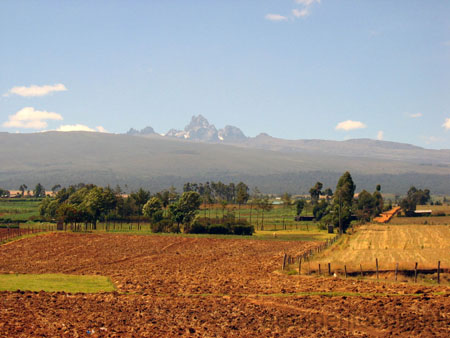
{"points": [[299, 265], [284, 262], [320, 272], [376, 263], [329, 269], [345, 269], [396, 271], [439, 272], [415, 273]]}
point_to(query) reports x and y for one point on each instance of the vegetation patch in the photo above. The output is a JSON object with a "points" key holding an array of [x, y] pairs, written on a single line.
{"points": [[55, 282]]}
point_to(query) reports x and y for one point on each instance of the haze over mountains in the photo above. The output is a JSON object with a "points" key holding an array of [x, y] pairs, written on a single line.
{"points": [[200, 130], [201, 153]]}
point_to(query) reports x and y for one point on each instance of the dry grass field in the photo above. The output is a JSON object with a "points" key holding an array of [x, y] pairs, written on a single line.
{"points": [[169, 286], [391, 244]]}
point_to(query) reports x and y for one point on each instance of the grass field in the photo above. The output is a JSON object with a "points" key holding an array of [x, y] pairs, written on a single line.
{"points": [[390, 244], [55, 282], [19, 209], [313, 234]]}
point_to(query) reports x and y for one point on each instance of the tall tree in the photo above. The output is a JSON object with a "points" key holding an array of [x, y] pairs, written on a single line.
{"points": [[184, 210], [366, 206], [299, 205], [264, 205], [22, 189], [140, 198], [315, 192], [343, 201], [56, 187], [286, 198], [242, 195], [153, 209], [39, 191], [413, 198]]}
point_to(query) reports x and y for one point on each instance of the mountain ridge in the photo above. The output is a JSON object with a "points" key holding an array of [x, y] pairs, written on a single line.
{"points": [[156, 162]]}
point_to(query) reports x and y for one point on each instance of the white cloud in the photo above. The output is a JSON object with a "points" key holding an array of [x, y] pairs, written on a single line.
{"points": [[380, 135], [350, 125], [275, 17], [36, 90], [446, 124], [415, 116], [307, 2], [300, 13], [29, 118], [80, 127]]}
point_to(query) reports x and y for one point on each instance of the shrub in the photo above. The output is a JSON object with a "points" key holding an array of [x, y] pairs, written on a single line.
{"points": [[245, 230], [219, 229], [197, 228], [164, 225]]}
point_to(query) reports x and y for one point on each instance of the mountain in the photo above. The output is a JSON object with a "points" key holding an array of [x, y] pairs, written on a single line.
{"points": [[145, 131], [200, 130], [231, 134], [156, 162]]}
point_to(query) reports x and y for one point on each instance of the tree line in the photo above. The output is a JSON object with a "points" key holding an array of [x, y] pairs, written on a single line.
{"points": [[167, 211]]}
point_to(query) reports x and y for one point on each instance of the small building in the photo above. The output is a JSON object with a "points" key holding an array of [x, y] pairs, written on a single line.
{"points": [[423, 212]]}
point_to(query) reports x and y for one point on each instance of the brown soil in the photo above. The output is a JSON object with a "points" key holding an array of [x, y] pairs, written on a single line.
{"points": [[175, 286]]}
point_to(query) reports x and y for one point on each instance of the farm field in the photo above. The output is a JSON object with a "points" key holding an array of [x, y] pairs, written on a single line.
{"points": [[390, 244], [209, 287], [19, 209]]}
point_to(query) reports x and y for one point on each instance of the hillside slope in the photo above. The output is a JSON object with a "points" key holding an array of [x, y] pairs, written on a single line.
{"points": [[157, 162]]}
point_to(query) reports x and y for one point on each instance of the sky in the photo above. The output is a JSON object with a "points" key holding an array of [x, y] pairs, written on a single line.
{"points": [[295, 69]]}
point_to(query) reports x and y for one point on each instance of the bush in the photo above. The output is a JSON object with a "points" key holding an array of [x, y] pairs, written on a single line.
{"points": [[164, 225], [218, 226], [219, 229], [197, 228], [244, 230]]}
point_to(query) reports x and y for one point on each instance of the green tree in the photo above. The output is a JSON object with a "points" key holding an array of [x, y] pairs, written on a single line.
{"points": [[379, 203], [55, 187], [343, 201], [140, 198], [315, 192], [153, 209], [39, 191], [264, 205], [366, 206], [287, 200], [22, 189], [242, 195], [299, 205], [320, 210], [183, 211], [413, 198], [328, 193]]}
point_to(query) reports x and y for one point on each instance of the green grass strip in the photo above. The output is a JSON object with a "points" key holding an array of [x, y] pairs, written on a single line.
{"points": [[55, 282]]}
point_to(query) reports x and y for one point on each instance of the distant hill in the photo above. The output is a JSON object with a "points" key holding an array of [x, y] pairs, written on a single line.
{"points": [[200, 130], [156, 162]]}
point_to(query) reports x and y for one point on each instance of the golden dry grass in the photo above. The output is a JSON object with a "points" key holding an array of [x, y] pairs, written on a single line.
{"points": [[403, 244], [430, 220]]}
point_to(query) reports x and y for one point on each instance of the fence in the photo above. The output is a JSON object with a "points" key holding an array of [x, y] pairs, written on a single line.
{"points": [[332, 271], [13, 232], [306, 256]]}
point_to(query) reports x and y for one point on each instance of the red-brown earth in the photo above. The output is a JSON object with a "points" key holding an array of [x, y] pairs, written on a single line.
{"points": [[179, 286]]}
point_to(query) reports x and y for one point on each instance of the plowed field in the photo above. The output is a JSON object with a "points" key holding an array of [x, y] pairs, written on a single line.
{"points": [[175, 286]]}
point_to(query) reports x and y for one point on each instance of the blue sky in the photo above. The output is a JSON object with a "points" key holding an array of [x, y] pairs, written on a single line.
{"points": [[295, 69]]}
